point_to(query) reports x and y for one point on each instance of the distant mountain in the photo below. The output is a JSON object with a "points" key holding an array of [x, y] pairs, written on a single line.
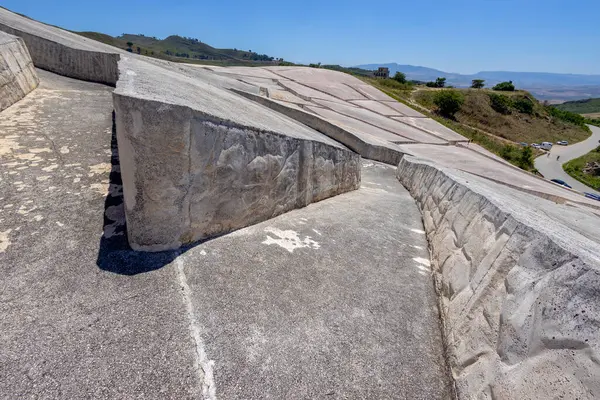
{"points": [[544, 85]]}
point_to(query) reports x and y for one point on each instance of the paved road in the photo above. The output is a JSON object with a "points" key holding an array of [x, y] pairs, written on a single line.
{"points": [[552, 169], [331, 301]]}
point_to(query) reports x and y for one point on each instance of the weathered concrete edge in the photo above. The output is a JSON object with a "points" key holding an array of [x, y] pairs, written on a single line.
{"points": [[482, 254], [22, 78], [381, 153], [159, 201], [91, 66]]}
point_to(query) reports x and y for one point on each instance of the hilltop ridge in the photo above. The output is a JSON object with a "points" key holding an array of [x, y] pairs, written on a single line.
{"points": [[179, 48]]}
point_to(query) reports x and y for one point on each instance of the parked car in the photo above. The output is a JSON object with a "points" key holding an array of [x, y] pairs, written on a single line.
{"points": [[561, 182], [592, 196], [523, 144], [546, 145], [537, 146], [563, 142]]}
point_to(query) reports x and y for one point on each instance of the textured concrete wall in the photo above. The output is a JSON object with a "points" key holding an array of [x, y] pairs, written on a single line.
{"points": [[378, 150], [17, 73], [92, 66], [189, 176], [520, 292]]}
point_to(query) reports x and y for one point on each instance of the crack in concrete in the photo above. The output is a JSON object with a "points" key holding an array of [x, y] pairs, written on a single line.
{"points": [[203, 366]]}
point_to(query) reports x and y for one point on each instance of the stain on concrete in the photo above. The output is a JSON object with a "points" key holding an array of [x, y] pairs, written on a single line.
{"points": [[289, 240]]}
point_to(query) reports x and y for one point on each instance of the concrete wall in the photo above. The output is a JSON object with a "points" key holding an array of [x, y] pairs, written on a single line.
{"points": [[189, 176], [92, 66], [378, 150], [519, 291], [17, 73]]}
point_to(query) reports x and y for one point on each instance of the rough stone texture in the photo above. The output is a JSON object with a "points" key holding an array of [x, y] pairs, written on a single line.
{"points": [[63, 52], [198, 161], [519, 279], [17, 73]]}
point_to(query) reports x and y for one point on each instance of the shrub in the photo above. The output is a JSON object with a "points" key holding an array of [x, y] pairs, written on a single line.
{"points": [[526, 159], [505, 86], [448, 102], [500, 103], [400, 77], [477, 83], [523, 104], [566, 116], [393, 84]]}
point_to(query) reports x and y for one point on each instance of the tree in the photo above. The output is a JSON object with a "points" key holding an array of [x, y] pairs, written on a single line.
{"points": [[400, 77], [477, 83], [129, 44], [448, 102], [505, 86], [439, 83]]}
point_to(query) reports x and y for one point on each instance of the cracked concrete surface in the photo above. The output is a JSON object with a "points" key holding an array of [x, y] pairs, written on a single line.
{"points": [[338, 316]]}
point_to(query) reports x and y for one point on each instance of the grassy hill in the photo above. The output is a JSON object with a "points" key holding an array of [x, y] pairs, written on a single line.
{"points": [[498, 121], [575, 168], [587, 106], [182, 49]]}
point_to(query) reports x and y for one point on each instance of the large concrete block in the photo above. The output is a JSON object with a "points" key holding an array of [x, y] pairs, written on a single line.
{"points": [[198, 161], [63, 52], [17, 73], [519, 285]]}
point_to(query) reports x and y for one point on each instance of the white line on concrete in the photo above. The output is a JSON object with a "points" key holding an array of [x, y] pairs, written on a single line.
{"points": [[202, 364]]}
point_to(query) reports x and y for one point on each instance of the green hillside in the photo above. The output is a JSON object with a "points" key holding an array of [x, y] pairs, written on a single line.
{"points": [[587, 106], [182, 49], [498, 121]]}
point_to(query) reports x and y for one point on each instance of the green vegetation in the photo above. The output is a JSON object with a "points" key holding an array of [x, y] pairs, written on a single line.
{"points": [[567, 116], [439, 83], [390, 87], [351, 70], [575, 168], [400, 77], [499, 121], [505, 87], [448, 102], [183, 49], [477, 83], [500, 103], [593, 121], [587, 106], [523, 104]]}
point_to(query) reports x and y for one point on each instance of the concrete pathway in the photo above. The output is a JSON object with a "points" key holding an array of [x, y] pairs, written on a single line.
{"points": [[331, 301], [552, 169]]}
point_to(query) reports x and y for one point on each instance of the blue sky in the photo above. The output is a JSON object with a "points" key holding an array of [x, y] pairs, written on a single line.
{"points": [[455, 36]]}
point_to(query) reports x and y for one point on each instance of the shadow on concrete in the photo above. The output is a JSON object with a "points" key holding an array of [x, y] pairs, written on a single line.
{"points": [[114, 254]]}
